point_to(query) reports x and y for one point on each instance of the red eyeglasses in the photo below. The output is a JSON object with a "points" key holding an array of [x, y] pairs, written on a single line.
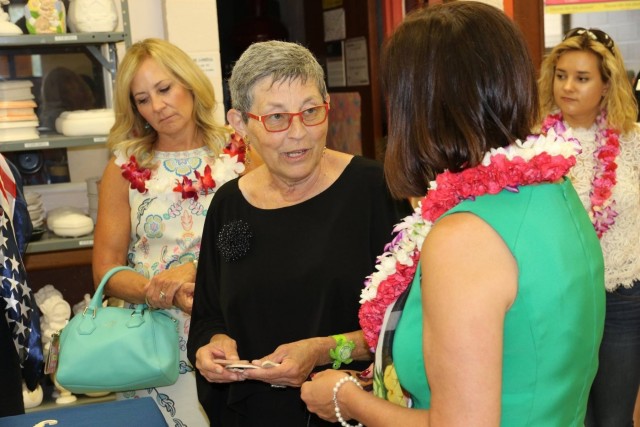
{"points": [[278, 122]]}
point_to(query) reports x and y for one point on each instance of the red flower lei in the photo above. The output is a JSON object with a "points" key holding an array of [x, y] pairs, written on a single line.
{"points": [[602, 211], [236, 147], [188, 188], [135, 174], [545, 160]]}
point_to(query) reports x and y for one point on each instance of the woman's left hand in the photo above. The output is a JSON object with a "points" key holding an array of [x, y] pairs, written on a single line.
{"points": [[318, 394], [296, 361]]}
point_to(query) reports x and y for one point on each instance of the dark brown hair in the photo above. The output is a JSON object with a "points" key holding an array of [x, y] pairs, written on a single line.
{"points": [[459, 81]]}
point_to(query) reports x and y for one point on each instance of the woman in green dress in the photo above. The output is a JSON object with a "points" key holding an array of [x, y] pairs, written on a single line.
{"points": [[488, 307]]}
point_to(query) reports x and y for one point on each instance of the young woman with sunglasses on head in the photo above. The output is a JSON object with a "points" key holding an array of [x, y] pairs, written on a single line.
{"points": [[584, 89]]}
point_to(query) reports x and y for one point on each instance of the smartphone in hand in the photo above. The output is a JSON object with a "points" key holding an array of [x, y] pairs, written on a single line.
{"points": [[241, 365]]}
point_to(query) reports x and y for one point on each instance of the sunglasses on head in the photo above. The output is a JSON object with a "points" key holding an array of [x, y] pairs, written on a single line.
{"points": [[594, 34]]}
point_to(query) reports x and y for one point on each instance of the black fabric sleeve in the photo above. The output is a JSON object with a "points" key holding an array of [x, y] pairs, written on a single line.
{"points": [[206, 316]]}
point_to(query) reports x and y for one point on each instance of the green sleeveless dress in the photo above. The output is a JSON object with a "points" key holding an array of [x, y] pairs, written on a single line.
{"points": [[553, 330]]}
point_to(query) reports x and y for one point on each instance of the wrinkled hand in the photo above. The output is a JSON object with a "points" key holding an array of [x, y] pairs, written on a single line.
{"points": [[220, 347], [296, 359], [162, 288], [183, 298], [318, 394]]}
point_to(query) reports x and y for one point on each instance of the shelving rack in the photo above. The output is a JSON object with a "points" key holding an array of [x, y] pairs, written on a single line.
{"points": [[103, 47]]}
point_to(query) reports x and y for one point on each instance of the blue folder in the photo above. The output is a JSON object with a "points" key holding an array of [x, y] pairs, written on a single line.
{"points": [[130, 412]]}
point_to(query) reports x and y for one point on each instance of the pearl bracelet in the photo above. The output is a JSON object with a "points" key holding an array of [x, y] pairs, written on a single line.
{"points": [[339, 384]]}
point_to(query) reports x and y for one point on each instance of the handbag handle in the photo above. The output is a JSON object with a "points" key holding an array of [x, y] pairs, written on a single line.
{"points": [[96, 301]]}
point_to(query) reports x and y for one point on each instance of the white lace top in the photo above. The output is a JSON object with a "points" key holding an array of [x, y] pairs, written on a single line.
{"points": [[621, 243]]}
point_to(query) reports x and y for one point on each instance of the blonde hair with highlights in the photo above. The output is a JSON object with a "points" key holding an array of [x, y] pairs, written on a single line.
{"points": [[619, 102], [129, 134]]}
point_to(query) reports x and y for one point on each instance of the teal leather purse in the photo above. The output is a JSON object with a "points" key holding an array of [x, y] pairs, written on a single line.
{"points": [[118, 349]]}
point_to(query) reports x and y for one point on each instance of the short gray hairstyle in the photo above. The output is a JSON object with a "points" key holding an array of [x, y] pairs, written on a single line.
{"points": [[281, 61]]}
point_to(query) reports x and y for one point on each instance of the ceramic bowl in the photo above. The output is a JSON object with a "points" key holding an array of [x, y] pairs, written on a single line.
{"points": [[37, 234]]}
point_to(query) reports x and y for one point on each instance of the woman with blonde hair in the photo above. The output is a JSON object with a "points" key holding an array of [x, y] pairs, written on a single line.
{"points": [[584, 88], [170, 157], [132, 131]]}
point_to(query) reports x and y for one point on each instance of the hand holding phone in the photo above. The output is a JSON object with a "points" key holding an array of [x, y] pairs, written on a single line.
{"points": [[241, 365]]}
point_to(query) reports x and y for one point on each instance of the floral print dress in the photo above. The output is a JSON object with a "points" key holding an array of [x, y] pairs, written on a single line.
{"points": [[166, 230]]}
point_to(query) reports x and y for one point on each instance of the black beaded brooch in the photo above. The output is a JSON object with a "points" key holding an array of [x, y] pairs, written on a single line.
{"points": [[234, 240]]}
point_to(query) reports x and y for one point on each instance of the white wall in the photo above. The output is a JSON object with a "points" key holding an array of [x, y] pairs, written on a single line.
{"points": [[192, 25], [623, 26], [552, 29], [146, 18], [496, 3]]}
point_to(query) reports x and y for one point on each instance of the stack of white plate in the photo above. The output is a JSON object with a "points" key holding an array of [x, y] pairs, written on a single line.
{"points": [[92, 194], [36, 208], [18, 120]]}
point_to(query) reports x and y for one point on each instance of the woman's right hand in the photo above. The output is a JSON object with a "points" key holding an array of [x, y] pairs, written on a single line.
{"points": [[183, 298], [171, 288], [221, 346]]}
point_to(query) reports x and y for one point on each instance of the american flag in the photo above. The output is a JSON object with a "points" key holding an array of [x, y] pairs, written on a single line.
{"points": [[16, 299]]}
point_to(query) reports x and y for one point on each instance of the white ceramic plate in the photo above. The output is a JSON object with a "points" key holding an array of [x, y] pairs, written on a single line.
{"points": [[32, 197]]}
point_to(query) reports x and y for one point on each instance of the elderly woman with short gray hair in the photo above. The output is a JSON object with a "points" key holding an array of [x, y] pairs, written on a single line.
{"points": [[285, 249]]}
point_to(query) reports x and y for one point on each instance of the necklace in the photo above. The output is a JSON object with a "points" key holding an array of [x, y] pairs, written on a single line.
{"points": [[228, 165], [602, 211], [543, 158]]}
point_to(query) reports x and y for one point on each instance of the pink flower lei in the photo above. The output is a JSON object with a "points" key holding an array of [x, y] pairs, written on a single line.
{"points": [[602, 211], [188, 188], [539, 159]]}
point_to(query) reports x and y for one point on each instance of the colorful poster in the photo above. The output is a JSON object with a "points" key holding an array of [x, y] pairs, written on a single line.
{"points": [[573, 2], [581, 6]]}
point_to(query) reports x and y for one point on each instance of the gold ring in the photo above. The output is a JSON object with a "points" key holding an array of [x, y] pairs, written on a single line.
{"points": [[162, 295]]}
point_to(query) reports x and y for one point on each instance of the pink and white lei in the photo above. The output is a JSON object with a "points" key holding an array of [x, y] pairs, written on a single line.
{"points": [[544, 158], [602, 211]]}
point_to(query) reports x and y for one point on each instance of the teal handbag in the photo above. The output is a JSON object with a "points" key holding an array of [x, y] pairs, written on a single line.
{"points": [[118, 349]]}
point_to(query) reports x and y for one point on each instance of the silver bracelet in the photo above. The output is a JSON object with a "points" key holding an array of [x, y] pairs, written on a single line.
{"points": [[336, 408]]}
